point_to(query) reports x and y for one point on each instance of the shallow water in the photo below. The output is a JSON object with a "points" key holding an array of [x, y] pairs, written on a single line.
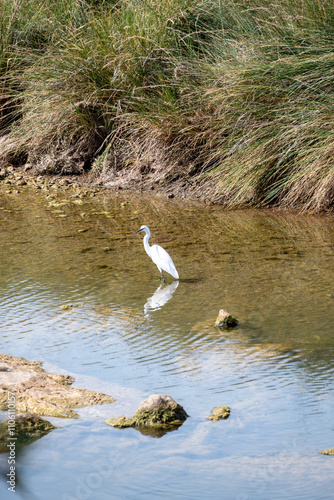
{"points": [[130, 337]]}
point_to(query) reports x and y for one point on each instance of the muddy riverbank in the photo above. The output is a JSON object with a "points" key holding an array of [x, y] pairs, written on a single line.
{"points": [[13, 179]]}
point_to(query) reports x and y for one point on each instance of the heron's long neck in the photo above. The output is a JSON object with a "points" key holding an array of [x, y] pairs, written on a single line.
{"points": [[146, 244]]}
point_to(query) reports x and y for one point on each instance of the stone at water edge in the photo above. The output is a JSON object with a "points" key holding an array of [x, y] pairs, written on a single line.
{"points": [[41, 392], [27, 423], [327, 452], [220, 413], [25, 428], [225, 320], [156, 410]]}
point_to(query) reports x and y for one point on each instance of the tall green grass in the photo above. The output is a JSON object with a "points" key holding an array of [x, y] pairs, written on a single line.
{"points": [[233, 98]]}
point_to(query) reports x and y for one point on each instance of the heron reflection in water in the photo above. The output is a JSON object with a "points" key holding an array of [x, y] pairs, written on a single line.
{"points": [[160, 297]]}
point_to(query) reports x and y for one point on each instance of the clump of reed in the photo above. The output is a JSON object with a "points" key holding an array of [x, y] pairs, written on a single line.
{"points": [[232, 95]]}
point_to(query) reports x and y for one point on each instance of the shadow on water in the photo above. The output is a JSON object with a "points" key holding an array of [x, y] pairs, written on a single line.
{"points": [[191, 280], [17, 485]]}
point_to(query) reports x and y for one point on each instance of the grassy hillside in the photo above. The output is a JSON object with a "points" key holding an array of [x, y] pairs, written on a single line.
{"points": [[233, 98]]}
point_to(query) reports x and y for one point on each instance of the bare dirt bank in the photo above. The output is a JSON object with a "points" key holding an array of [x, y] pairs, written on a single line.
{"points": [[134, 180]]}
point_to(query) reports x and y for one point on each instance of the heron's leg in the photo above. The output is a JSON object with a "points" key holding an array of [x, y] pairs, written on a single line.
{"points": [[162, 276]]}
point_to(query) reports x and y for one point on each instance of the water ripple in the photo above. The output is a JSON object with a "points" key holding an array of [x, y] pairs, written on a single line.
{"points": [[275, 370]]}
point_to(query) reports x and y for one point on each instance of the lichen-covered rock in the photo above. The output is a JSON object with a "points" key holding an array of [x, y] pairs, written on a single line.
{"points": [[27, 423], [327, 452], [40, 392], [159, 410], [225, 320], [120, 422], [25, 429], [66, 307], [220, 413]]}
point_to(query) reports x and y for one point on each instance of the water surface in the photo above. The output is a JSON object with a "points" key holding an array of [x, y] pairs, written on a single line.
{"points": [[129, 336]]}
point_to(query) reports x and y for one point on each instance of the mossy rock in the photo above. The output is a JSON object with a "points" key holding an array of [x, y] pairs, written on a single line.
{"points": [[28, 424], [225, 320], [66, 307], [220, 413], [157, 411], [43, 393], [327, 452], [120, 422], [27, 429]]}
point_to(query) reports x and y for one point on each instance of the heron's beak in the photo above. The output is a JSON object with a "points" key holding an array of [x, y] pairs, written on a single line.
{"points": [[138, 231]]}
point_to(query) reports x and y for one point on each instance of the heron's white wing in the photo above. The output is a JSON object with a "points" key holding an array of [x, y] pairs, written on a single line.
{"points": [[161, 258]]}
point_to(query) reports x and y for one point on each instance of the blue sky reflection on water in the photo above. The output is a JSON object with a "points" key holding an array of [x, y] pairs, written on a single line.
{"points": [[273, 271]]}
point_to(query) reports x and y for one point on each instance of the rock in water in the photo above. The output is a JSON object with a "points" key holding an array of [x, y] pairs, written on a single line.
{"points": [[220, 413], [327, 452], [24, 429], [160, 408], [157, 411], [41, 392], [225, 320]]}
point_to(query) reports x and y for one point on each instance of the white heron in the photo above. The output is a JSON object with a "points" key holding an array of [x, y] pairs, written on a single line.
{"points": [[159, 256]]}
